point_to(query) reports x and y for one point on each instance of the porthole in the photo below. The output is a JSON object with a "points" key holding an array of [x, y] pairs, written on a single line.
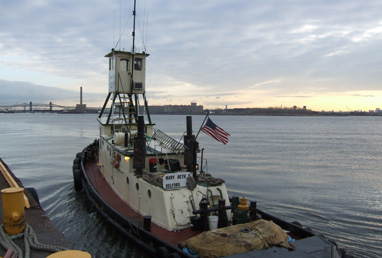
{"points": [[149, 193], [137, 186]]}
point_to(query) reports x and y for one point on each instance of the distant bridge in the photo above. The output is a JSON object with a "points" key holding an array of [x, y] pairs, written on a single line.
{"points": [[41, 107]]}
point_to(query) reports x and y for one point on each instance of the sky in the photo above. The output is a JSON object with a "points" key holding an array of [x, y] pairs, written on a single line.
{"points": [[325, 55]]}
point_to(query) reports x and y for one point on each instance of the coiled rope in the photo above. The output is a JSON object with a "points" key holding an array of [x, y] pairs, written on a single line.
{"points": [[30, 241], [208, 178], [154, 179]]}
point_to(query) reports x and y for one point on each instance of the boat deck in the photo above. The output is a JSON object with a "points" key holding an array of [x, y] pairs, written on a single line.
{"points": [[109, 196], [36, 217], [307, 244]]}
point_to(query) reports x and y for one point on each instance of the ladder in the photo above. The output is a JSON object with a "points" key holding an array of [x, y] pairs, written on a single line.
{"points": [[126, 108], [127, 105], [167, 141]]}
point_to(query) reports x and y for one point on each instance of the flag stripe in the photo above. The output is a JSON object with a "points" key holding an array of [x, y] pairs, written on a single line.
{"points": [[209, 131], [215, 131]]}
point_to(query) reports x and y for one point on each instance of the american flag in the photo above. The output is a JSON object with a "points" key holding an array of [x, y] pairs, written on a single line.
{"points": [[215, 131]]}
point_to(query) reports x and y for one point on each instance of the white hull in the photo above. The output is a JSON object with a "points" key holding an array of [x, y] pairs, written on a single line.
{"points": [[170, 209]]}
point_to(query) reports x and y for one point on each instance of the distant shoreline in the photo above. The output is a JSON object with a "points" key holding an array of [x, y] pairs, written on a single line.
{"points": [[192, 109], [214, 113]]}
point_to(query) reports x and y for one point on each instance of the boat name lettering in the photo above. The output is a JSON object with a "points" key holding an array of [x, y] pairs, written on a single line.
{"points": [[181, 176], [173, 185], [175, 180]]}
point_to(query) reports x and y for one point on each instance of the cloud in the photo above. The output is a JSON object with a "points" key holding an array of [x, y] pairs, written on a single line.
{"points": [[363, 96], [370, 34], [22, 92], [274, 81], [205, 47]]}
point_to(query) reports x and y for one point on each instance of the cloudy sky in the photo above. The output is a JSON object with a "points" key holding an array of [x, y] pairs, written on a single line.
{"points": [[326, 55]]}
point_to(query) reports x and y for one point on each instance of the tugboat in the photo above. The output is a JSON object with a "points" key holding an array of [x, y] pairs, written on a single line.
{"points": [[149, 187]]}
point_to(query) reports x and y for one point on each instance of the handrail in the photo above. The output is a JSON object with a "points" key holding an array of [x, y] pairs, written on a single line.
{"points": [[12, 183]]}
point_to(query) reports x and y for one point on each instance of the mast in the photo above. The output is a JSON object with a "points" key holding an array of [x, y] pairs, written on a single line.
{"points": [[133, 33], [133, 59], [133, 48]]}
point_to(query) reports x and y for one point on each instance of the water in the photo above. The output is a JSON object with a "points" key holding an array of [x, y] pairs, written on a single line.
{"points": [[321, 171]]}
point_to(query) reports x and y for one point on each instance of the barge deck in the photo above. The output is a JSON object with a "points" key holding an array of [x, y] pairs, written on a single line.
{"points": [[35, 217]]}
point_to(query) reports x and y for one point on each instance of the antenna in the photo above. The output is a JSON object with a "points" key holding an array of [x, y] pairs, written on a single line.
{"points": [[147, 28], [114, 29], [120, 21]]}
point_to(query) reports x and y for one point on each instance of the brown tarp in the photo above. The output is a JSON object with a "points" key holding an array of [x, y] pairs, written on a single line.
{"points": [[239, 238]]}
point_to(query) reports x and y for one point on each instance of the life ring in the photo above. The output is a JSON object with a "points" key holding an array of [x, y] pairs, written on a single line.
{"points": [[116, 160]]}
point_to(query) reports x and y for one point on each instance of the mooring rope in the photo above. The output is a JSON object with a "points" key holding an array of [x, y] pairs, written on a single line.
{"points": [[7, 243], [30, 241], [35, 244]]}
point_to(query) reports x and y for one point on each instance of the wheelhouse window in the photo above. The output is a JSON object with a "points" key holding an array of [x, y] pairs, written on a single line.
{"points": [[124, 65], [138, 64], [111, 63]]}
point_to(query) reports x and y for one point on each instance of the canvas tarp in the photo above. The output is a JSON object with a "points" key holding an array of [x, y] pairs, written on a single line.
{"points": [[237, 239]]}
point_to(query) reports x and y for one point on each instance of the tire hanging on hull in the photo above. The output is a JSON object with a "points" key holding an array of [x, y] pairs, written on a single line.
{"points": [[77, 178]]}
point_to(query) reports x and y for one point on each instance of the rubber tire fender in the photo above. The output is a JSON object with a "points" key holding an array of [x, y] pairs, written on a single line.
{"points": [[162, 252], [76, 164], [76, 161], [77, 178]]}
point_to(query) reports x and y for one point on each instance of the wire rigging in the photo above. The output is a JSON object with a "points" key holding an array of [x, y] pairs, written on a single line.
{"points": [[142, 35], [123, 31]]}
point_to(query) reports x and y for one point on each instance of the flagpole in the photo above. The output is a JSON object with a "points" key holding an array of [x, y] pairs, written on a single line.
{"points": [[208, 113]]}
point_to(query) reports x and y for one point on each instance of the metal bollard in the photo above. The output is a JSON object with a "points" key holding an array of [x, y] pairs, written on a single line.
{"points": [[13, 210]]}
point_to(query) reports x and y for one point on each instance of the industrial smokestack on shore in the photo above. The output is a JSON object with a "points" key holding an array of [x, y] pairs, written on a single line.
{"points": [[80, 95], [80, 108]]}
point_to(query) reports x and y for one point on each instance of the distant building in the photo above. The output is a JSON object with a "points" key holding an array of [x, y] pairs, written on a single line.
{"points": [[177, 109], [80, 108]]}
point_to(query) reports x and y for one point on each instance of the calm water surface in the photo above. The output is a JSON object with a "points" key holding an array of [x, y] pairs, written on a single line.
{"points": [[321, 171]]}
